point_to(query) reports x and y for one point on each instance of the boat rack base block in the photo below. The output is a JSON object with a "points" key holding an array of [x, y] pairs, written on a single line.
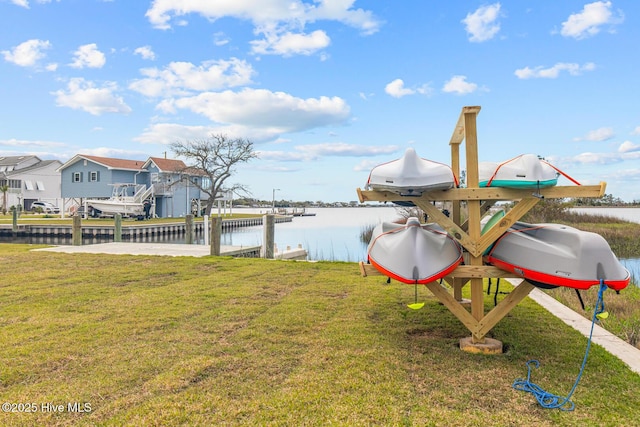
{"points": [[488, 346]]}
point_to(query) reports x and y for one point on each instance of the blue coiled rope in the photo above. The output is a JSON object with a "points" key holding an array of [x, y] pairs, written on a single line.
{"points": [[549, 400]]}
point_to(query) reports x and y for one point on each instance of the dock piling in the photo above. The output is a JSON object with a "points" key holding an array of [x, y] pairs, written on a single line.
{"points": [[76, 230], [117, 233], [269, 239], [216, 235]]}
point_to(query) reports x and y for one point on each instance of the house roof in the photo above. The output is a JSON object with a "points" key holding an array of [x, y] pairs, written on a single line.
{"points": [[15, 160], [39, 165], [108, 162], [167, 165], [172, 165], [164, 165]]}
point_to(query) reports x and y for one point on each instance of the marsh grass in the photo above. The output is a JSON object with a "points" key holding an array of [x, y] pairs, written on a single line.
{"points": [[220, 341]]}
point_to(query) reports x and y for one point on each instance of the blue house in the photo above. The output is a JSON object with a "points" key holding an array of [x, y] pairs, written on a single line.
{"points": [[166, 185]]}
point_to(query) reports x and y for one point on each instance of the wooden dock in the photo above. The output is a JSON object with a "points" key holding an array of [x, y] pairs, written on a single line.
{"points": [[130, 231]]}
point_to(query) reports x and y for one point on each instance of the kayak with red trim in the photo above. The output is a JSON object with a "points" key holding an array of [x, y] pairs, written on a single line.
{"points": [[552, 255], [413, 253], [524, 171]]}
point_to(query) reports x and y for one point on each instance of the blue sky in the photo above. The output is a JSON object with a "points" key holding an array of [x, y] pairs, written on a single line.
{"points": [[325, 89]]}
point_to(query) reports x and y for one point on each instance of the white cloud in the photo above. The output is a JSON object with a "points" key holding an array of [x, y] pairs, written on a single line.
{"points": [[220, 39], [25, 3], [166, 133], [83, 95], [331, 149], [27, 54], [281, 22], [145, 52], [365, 166], [284, 156], [343, 149], [553, 72], [22, 3], [636, 131], [597, 158], [23, 144], [628, 146], [482, 24], [88, 55], [289, 44], [601, 134], [459, 86], [183, 78], [397, 90], [272, 112], [588, 22]]}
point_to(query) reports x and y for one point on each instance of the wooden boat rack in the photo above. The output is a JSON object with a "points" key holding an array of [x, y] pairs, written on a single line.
{"points": [[468, 234]]}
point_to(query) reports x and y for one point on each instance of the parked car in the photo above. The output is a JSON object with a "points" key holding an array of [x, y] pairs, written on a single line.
{"points": [[45, 207]]}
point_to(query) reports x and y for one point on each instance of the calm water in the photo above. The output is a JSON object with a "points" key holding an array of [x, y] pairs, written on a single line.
{"points": [[332, 234]]}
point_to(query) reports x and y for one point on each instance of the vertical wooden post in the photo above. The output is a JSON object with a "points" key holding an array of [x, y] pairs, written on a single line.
{"points": [[14, 227], [456, 212], [471, 141], [76, 230], [269, 236], [216, 235], [117, 234], [205, 230], [189, 228]]}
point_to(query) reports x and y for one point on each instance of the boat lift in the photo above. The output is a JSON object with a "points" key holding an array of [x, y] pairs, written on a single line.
{"points": [[469, 234]]}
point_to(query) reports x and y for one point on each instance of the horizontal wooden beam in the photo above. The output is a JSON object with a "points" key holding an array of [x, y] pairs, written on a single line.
{"points": [[462, 272], [490, 193]]}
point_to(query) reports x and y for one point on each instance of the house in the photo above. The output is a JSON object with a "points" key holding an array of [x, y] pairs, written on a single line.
{"points": [[29, 179], [166, 184], [175, 187]]}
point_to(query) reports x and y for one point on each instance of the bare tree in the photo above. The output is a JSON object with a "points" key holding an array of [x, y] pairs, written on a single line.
{"points": [[215, 159]]}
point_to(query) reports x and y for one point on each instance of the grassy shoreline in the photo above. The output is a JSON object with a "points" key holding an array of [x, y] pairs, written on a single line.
{"points": [[223, 341]]}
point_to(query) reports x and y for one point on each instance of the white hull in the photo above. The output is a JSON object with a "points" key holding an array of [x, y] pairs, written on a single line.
{"points": [[413, 253], [117, 207], [524, 171], [121, 201], [411, 175], [550, 255]]}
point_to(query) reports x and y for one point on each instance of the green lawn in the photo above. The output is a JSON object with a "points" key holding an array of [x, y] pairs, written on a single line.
{"points": [[220, 341]]}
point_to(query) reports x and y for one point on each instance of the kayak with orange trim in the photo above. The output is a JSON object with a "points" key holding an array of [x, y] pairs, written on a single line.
{"points": [[413, 253], [552, 255]]}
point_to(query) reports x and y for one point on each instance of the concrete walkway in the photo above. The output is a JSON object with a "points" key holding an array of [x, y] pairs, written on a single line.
{"points": [[166, 249], [624, 351], [171, 249]]}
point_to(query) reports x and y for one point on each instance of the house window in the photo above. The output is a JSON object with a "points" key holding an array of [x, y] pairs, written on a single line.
{"points": [[77, 177], [11, 183], [40, 185], [28, 185], [94, 176]]}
